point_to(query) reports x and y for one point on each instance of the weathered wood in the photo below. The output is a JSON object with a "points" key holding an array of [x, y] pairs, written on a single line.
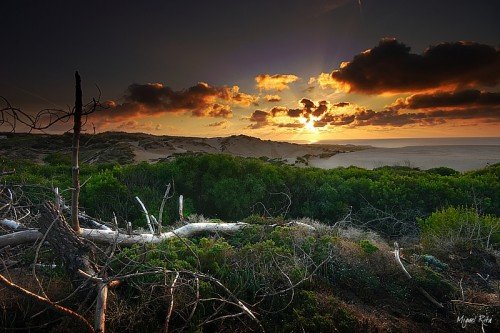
{"points": [[181, 207], [104, 236], [20, 237], [11, 224], [110, 236], [409, 277], [162, 206], [75, 168], [75, 253], [145, 211], [100, 310]]}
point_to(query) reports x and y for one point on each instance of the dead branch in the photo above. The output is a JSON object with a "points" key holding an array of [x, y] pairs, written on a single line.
{"points": [[111, 236], [420, 289], [44, 301], [4, 173], [100, 310], [160, 214], [171, 307], [148, 220]]}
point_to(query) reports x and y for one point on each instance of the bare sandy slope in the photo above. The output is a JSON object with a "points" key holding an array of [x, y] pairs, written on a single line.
{"points": [[459, 157], [157, 148]]}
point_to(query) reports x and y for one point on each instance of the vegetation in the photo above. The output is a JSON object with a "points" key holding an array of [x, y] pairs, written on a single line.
{"points": [[339, 277], [387, 199], [453, 229]]}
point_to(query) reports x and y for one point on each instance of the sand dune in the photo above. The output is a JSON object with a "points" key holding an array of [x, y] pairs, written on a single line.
{"points": [[137, 147], [157, 148]]}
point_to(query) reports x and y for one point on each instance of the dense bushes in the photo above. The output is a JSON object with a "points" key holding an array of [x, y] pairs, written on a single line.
{"points": [[229, 188], [296, 279], [459, 229]]}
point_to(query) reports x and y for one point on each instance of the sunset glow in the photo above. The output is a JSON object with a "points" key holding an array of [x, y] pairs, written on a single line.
{"points": [[369, 83]]}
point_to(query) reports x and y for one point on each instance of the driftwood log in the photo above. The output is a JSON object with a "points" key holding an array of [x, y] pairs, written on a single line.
{"points": [[124, 239]]}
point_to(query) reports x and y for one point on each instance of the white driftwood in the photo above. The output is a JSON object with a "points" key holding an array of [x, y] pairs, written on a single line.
{"points": [[409, 277], [109, 236], [20, 237], [11, 224], [181, 207], [103, 236], [148, 220], [162, 206]]}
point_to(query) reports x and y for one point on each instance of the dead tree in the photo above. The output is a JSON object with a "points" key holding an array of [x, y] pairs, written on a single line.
{"points": [[76, 254], [70, 243], [75, 168]]}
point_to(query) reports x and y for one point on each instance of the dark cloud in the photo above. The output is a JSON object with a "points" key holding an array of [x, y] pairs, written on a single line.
{"points": [[395, 118], [260, 119], [324, 115], [341, 104], [259, 116], [320, 114], [309, 108], [390, 67], [290, 125], [201, 100], [294, 113], [448, 99]]}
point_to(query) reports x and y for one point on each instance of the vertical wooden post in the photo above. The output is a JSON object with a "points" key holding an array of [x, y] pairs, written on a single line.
{"points": [[75, 169]]}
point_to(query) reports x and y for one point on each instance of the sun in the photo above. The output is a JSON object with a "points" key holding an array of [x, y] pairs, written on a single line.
{"points": [[309, 125]]}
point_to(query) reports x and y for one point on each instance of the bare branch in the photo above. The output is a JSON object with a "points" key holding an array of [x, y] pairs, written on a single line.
{"points": [[44, 301]]}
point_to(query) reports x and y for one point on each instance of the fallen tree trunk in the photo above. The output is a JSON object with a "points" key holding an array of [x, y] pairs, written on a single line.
{"points": [[111, 236]]}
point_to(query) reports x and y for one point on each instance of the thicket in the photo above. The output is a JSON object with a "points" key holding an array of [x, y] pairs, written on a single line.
{"points": [[324, 280], [296, 279], [459, 229], [388, 199]]}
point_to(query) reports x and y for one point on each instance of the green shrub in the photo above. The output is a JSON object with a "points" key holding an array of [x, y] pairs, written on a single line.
{"points": [[459, 229], [57, 159], [367, 246]]}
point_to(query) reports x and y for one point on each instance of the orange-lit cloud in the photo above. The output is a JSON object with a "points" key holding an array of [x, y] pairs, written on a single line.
{"points": [[391, 68], [272, 98], [220, 124], [134, 125], [309, 114], [327, 116], [277, 82]]}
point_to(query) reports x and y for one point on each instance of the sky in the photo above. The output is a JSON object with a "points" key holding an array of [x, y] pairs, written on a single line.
{"points": [[296, 70]]}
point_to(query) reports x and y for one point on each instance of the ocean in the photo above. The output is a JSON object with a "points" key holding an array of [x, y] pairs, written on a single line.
{"points": [[411, 142], [461, 154]]}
